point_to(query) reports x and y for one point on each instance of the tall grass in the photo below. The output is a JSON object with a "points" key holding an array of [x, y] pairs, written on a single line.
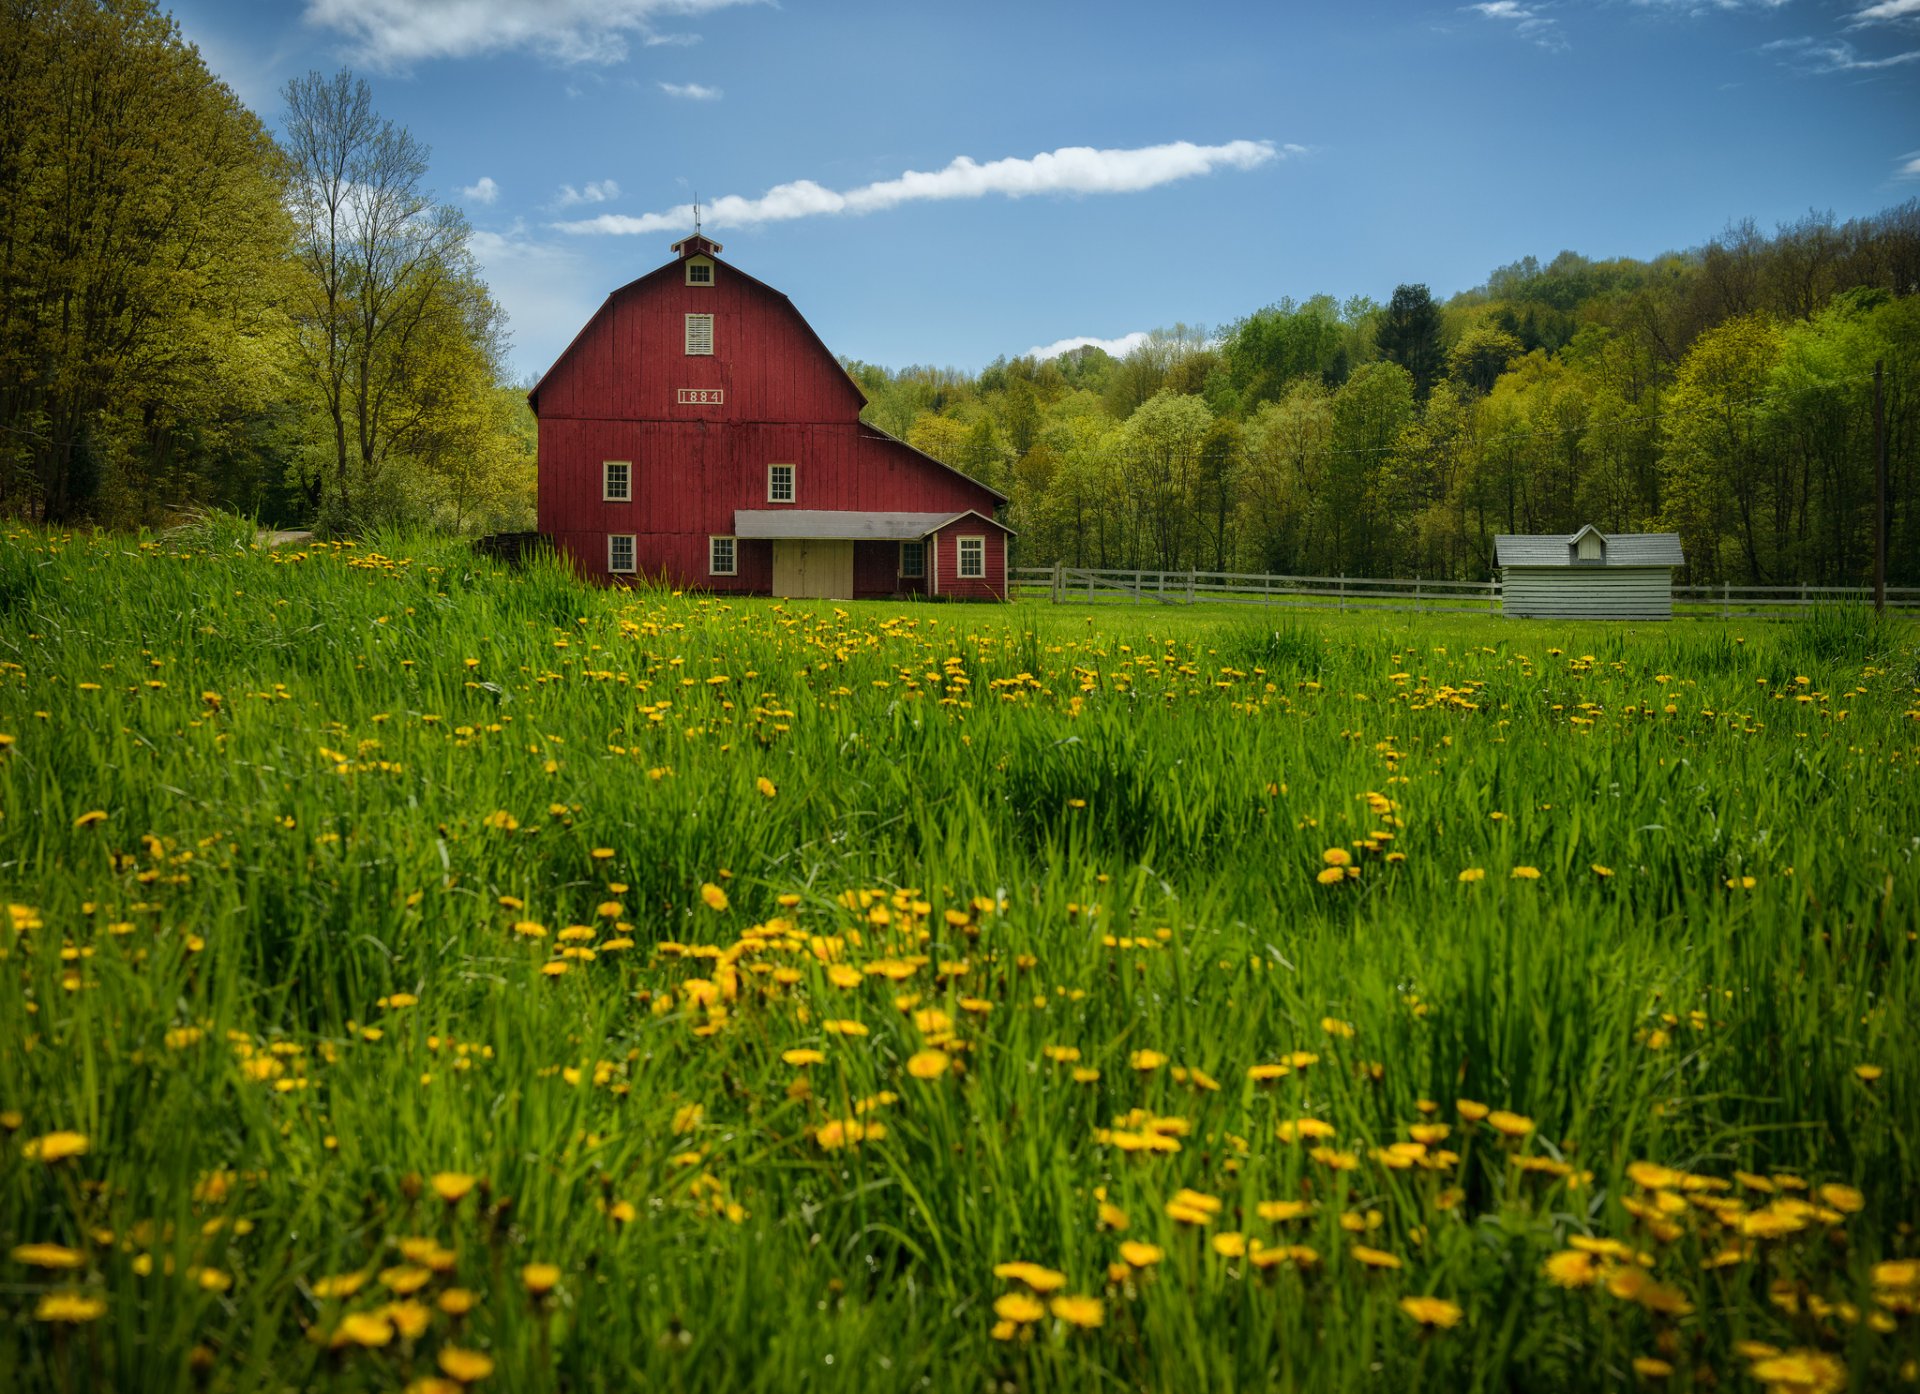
{"points": [[293, 974]]}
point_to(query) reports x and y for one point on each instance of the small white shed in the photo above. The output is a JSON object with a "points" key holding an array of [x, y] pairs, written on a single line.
{"points": [[1588, 575]]}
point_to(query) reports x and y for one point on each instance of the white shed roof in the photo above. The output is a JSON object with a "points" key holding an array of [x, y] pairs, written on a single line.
{"points": [[1556, 549]]}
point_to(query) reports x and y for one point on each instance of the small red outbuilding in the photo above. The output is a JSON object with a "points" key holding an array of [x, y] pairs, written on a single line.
{"points": [[697, 431]]}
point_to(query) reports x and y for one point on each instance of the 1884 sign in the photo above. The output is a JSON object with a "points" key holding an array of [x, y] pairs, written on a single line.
{"points": [[702, 396]]}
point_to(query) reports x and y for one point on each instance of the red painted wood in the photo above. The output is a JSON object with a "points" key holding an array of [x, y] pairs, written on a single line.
{"points": [[613, 395], [945, 561]]}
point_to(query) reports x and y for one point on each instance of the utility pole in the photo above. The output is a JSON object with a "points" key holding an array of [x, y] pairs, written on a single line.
{"points": [[1879, 495]]}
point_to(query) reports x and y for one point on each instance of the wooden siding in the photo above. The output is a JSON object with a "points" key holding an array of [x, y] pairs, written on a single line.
{"points": [[944, 560], [631, 360], [1600, 593]]}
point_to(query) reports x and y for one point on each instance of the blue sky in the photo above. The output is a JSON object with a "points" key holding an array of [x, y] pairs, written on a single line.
{"points": [[946, 183]]}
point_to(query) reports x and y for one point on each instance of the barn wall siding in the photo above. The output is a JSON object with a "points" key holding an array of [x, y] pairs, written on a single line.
{"points": [[945, 549], [614, 396], [1613, 592]]}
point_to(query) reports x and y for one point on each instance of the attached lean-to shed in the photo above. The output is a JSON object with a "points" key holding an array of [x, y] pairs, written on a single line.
{"points": [[1588, 575]]}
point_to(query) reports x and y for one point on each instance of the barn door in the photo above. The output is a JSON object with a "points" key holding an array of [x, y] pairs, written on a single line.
{"points": [[813, 570]]}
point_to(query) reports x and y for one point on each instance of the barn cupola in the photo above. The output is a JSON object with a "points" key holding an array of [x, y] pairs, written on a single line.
{"points": [[1588, 546], [696, 255]]}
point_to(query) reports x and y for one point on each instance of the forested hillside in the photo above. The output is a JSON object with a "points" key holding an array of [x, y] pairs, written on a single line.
{"points": [[1724, 393]]}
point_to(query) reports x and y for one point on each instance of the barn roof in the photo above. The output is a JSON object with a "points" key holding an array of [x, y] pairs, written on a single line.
{"points": [[1557, 549], [533, 395], [846, 524]]}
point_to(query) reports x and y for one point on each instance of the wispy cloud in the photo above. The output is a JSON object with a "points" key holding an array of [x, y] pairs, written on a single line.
{"points": [[1700, 7], [394, 33], [691, 91], [672, 40], [1834, 56], [1071, 170], [1527, 21], [1909, 166], [1119, 347], [485, 191], [600, 191], [1885, 11]]}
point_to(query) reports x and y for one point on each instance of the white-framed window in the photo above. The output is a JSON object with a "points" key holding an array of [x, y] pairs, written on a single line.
{"points": [[616, 481], [913, 559], [699, 272], [973, 558], [699, 334], [722, 556], [780, 483], [620, 553]]}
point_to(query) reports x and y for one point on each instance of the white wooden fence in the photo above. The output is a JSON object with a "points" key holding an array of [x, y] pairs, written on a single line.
{"points": [[1109, 585]]}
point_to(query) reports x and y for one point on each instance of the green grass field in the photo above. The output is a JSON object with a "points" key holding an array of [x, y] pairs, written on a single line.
{"points": [[422, 975]]}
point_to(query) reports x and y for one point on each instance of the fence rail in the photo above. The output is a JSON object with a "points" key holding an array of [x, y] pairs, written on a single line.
{"points": [[1139, 586]]}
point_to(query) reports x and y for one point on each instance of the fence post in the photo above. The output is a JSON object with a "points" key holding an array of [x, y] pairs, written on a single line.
{"points": [[1089, 583], [1057, 572], [1266, 587], [1417, 606], [1189, 585], [1137, 573], [1726, 599], [1163, 587], [1343, 590]]}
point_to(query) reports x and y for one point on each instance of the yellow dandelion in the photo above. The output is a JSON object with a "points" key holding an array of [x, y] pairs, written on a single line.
{"points": [[1509, 1124], [540, 1278], [1019, 1307], [1141, 1255], [464, 1365], [1083, 1312], [928, 1064], [55, 1147], [452, 1186], [715, 898], [1431, 1311], [1472, 874], [48, 1256], [70, 1307], [1526, 873], [765, 786], [1375, 1258]]}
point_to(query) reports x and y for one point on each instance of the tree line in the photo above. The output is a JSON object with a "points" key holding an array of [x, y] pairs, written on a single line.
{"points": [[1724, 393], [194, 313]]}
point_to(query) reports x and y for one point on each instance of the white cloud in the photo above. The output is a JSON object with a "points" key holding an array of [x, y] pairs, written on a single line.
{"points": [[1119, 347], [1909, 166], [486, 191], [692, 91], [1834, 56], [672, 40], [1072, 170], [1527, 21], [600, 191], [1887, 9], [1694, 7], [394, 33]]}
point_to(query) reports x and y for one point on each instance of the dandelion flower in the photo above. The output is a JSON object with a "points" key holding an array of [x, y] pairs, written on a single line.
{"points": [[1526, 873], [1083, 1312], [48, 1256], [1035, 1276], [1431, 1311], [1141, 1255], [55, 1147], [715, 898], [928, 1064], [540, 1278], [72, 1307], [1472, 874], [1651, 1367], [89, 818], [1375, 1258], [452, 1186], [765, 786], [1509, 1124], [1019, 1307], [464, 1365]]}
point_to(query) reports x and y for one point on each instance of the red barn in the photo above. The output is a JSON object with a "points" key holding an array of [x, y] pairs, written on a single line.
{"points": [[698, 432]]}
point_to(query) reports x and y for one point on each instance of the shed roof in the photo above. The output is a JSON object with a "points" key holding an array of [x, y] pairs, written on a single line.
{"points": [[1556, 549], [840, 524]]}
